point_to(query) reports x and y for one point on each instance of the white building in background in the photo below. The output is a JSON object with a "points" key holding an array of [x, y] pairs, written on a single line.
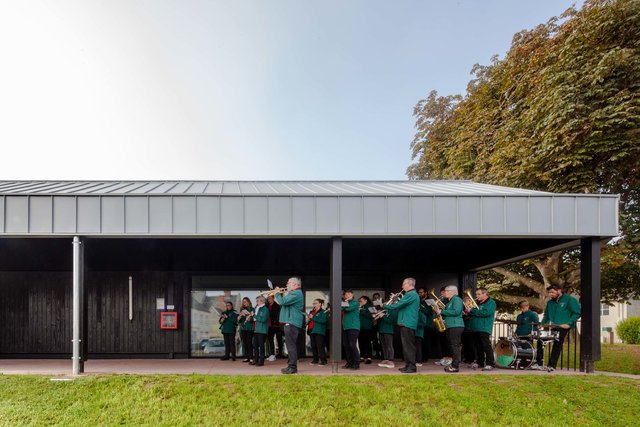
{"points": [[611, 315]]}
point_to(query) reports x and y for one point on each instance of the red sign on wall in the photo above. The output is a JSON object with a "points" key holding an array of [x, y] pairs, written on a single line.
{"points": [[169, 320]]}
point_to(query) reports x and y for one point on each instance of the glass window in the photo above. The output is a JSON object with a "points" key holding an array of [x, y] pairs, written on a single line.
{"points": [[604, 310]]}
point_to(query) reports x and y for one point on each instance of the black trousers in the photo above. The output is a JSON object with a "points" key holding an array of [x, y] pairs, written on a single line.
{"points": [[454, 339], [317, 348], [365, 341], [258, 346], [230, 344], [419, 350], [247, 343], [484, 351], [557, 348], [387, 346], [349, 342], [408, 338], [444, 344], [432, 343], [469, 352], [291, 334], [277, 333]]}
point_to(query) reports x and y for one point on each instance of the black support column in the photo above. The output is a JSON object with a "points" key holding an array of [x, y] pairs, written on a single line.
{"points": [[336, 299], [590, 302], [79, 306]]}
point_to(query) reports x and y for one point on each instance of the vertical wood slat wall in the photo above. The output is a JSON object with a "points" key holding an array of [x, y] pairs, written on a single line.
{"points": [[35, 313]]}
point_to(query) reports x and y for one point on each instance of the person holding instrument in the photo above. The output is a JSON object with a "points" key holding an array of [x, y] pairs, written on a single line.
{"points": [[562, 313], [228, 324], [261, 327], [246, 329], [316, 329], [407, 307], [527, 321], [292, 315], [452, 314], [481, 324], [350, 330]]}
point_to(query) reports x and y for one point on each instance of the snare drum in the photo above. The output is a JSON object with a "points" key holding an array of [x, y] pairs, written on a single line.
{"points": [[547, 335], [514, 354]]}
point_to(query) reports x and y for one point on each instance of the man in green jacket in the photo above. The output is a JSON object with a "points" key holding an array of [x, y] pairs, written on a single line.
{"points": [[228, 324], [261, 326], [407, 307], [562, 311], [350, 329], [481, 324], [292, 315], [452, 314]]}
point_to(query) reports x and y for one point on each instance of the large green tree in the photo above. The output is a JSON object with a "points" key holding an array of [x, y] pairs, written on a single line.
{"points": [[560, 112]]}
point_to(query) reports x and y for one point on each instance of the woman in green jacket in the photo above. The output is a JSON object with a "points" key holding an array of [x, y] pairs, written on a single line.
{"points": [[228, 324], [261, 329], [245, 319], [317, 329]]}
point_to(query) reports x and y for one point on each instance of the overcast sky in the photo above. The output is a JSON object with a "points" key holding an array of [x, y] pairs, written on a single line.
{"points": [[245, 90]]}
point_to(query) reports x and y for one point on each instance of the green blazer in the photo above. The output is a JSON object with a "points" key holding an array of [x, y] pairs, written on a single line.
{"points": [[292, 306], [262, 320], [565, 310], [388, 322], [230, 323], [366, 318], [407, 307], [351, 318], [242, 320], [525, 321], [422, 322], [481, 318], [452, 313], [428, 312], [319, 323]]}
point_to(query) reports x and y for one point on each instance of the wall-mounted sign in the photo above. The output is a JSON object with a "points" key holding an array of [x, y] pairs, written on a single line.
{"points": [[159, 303], [169, 320]]}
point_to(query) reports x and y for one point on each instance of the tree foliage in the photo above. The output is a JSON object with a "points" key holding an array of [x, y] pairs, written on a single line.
{"points": [[560, 112]]}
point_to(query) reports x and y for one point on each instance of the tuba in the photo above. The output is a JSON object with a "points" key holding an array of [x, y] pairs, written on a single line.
{"points": [[468, 301]]}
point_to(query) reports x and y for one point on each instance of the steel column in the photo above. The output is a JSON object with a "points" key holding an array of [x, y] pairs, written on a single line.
{"points": [[590, 302], [78, 307], [336, 299]]}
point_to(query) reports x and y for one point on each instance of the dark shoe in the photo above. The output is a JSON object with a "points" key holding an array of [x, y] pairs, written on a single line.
{"points": [[368, 362], [355, 367], [409, 371], [287, 371], [225, 358], [347, 366], [252, 363], [324, 362], [313, 362], [451, 369]]}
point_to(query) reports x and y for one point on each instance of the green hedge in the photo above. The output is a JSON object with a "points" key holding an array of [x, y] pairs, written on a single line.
{"points": [[629, 330]]}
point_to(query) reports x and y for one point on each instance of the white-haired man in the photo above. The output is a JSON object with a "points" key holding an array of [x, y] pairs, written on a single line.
{"points": [[452, 315], [292, 315]]}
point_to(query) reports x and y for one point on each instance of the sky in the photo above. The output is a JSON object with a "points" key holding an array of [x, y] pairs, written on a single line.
{"points": [[234, 90]]}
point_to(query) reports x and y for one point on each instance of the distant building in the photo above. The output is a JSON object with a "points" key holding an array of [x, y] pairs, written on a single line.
{"points": [[611, 315]]}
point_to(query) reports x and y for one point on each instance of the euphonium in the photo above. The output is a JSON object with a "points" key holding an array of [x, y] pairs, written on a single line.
{"points": [[468, 301]]}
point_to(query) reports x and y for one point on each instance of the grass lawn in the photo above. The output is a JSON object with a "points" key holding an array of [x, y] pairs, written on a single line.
{"points": [[307, 400], [622, 358]]}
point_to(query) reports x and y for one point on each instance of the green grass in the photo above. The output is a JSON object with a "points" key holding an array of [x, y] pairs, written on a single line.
{"points": [[622, 358], [309, 400]]}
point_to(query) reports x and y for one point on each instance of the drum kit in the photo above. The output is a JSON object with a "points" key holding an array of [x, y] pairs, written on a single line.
{"points": [[517, 352]]}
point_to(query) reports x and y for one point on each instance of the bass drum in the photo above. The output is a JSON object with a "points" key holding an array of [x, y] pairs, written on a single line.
{"points": [[514, 354]]}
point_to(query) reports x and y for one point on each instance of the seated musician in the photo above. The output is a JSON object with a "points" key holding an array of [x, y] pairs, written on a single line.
{"points": [[481, 323], [562, 313], [528, 321]]}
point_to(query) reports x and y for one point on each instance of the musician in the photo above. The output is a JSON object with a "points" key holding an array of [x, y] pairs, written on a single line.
{"points": [[481, 323], [422, 323], [387, 329], [245, 320], [292, 316], [317, 329], [528, 320], [350, 330], [442, 336], [228, 324], [452, 315], [365, 337], [407, 307], [376, 300], [562, 310], [275, 330], [261, 329], [424, 307]]}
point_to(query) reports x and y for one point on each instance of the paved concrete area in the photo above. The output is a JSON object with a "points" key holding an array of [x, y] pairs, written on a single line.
{"points": [[62, 367]]}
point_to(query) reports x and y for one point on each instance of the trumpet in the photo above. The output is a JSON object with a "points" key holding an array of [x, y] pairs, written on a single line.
{"points": [[394, 298], [272, 292], [468, 301]]}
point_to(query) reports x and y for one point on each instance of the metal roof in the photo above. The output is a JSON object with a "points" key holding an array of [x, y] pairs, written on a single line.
{"points": [[298, 209], [247, 188]]}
